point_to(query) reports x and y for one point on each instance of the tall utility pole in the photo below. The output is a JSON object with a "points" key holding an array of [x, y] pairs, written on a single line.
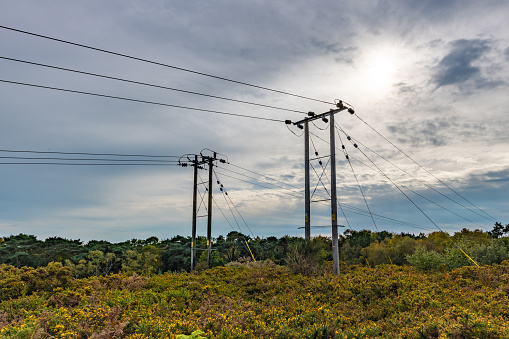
{"points": [[209, 219], [195, 193], [303, 124], [197, 162], [307, 201], [334, 200]]}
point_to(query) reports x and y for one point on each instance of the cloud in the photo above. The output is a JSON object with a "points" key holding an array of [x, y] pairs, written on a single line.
{"points": [[506, 52], [463, 65], [427, 132]]}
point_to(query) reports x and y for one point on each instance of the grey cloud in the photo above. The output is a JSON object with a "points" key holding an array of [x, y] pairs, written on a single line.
{"points": [[506, 52], [430, 132], [460, 66]]}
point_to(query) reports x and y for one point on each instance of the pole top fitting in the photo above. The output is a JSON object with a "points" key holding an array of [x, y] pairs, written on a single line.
{"points": [[339, 103]]}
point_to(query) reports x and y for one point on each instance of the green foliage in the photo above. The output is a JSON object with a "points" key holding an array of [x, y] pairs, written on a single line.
{"points": [[499, 230], [425, 260], [195, 335], [263, 300], [306, 256], [455, 258]]}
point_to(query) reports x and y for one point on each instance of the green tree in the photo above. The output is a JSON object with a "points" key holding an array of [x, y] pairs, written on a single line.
{"points": [[425, 260]]}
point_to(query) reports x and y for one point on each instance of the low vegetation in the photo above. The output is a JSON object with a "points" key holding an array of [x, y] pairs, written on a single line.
{"points": [[390, 286], [257, 300]]}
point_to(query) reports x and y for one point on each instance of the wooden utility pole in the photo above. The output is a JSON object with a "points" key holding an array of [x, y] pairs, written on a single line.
{"points": [[195, 198], [303, 124], [209, 219], [307, 199], [334, 200]]}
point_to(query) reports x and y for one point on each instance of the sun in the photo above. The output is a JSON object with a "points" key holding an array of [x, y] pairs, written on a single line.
{"points": [[377, 71]]}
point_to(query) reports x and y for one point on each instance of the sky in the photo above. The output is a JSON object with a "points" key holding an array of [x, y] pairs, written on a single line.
{"points": [[428, 81]]}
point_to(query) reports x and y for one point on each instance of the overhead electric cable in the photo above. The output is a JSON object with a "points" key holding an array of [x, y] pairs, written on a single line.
{"points": [[416, 206], [91, 159], [163, 64], [351, 209], [83, 164], [140, 101], [252, 183], [264, 175], [356, 179], [227, 197], [152, 85], [96, 154], [247, 176], [422, 182], [415, 162]]}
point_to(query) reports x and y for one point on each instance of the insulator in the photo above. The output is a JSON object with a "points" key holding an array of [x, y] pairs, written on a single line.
{"points": [[222, 161], [351, 111], [339, 104], [300, 126], [320, 162], [218, 182], [316, 153], [221, 189], [222, 185], [288, 122], [346, 155], [355, 145], [324, 119], [226, 193], [343, 146], [311, 114]]}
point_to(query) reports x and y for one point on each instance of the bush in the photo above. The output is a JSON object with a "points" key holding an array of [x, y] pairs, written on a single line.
{"points": [[425, 260], [306, 256], [492, 253]]}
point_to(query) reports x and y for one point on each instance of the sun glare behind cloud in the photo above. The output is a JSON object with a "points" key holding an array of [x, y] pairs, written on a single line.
{"points": [[377, 71]]}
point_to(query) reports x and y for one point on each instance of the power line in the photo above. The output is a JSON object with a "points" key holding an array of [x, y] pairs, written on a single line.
{"points": [[356, 179], [163, 64], [431, 187], [247, 176], [152, 85], [252, 183], [415, 162], [83, 164], [263, 175], [140, 101], [90, 159], [88, 153]]}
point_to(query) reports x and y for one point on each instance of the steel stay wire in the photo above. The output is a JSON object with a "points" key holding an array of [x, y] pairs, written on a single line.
{"points": [[151, 85], [139, 101], [162, 64]]}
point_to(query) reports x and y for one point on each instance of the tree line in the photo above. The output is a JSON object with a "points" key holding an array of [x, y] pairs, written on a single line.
{"points": [[152, 255]]}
